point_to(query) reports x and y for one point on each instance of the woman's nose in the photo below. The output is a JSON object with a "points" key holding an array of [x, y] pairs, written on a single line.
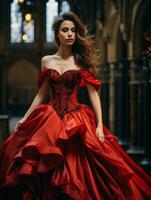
{"points": [[69, 33]]}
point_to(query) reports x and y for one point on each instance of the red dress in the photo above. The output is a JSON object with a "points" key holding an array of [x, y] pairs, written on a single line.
{"points": [[56, 154]]}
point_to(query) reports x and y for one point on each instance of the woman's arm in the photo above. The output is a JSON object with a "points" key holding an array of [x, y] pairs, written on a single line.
{"points": [[42, 93], [96, 103], [39, 98]]}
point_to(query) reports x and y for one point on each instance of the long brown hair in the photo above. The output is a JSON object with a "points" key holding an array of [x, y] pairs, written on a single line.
{"points": [[83, 48]]}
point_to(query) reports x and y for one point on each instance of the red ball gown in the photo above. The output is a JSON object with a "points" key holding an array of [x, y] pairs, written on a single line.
{"points": [[56, 154]]}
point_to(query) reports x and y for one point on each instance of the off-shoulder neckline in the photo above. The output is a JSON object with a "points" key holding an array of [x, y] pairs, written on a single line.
{"points": [[50, 69]]}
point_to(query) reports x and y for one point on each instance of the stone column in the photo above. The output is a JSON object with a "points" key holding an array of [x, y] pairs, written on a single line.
{"points": [[146, 114], [122, 103], [135, 148], [104, 93], [112, 67]]}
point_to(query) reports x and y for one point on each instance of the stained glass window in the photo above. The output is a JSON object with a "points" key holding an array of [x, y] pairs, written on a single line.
{"points": [[51, 13], [22, 26]]}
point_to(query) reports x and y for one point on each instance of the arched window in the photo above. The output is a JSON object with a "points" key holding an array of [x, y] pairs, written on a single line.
{"points": [[51, 13], [52, 10], [21, 22]]}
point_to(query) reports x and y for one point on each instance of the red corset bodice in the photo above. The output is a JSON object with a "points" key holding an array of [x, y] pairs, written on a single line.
{"points": [[64, 90], [65, 87]]}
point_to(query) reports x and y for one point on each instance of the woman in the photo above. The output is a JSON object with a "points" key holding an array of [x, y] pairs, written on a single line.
{"points": [[61, 150]]}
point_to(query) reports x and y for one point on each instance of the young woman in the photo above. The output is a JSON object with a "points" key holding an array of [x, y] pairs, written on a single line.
{"points": [[61, 150]]}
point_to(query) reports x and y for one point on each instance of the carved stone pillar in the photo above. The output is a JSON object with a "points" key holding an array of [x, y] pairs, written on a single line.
{"points": [[146, 74], [112, 67], [104, 93], [136, 148], [122, 103], [139, 116]]}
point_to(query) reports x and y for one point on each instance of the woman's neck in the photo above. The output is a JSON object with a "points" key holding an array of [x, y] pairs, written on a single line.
{"points": [[65, 52]]}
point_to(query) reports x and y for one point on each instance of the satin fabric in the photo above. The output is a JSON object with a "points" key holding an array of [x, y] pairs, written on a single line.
{"points": [[56, 154]]}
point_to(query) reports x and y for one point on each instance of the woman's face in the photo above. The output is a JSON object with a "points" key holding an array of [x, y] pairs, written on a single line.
{"points": [[67, 33]]}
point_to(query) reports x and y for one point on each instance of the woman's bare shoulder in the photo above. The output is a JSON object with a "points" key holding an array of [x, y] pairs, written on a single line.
{"points": [[48, 60]]}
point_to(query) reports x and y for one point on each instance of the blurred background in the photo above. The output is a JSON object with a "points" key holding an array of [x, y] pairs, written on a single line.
{"points": [[122, 32]]}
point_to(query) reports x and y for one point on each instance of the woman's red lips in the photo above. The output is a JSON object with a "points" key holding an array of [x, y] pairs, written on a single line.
{"points": [[69, 40]]}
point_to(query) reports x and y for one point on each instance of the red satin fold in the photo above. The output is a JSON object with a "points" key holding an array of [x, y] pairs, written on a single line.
{"points": [[88, 78]]}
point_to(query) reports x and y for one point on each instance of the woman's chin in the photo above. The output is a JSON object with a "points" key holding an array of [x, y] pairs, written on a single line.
{"points": [[69, 44]]}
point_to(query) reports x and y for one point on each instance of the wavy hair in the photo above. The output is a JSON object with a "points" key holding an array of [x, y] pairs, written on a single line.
{"points": [[83, 48]]}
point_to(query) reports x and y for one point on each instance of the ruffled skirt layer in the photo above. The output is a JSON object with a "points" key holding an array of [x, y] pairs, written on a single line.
{"points": [[50, 158]]}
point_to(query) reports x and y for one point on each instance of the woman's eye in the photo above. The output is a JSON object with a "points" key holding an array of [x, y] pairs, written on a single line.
{"points": [[73, 30], [65, 29]]}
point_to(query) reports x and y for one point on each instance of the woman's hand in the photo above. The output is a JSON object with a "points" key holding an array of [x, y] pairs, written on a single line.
{"points": [[19, 123], [100, 133]]}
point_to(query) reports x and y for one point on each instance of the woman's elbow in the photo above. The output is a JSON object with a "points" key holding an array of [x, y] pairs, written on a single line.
{"points": [[41, 97]]}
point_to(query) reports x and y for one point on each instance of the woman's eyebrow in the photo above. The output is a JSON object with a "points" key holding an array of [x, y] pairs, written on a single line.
{"points": [[68, 27]]}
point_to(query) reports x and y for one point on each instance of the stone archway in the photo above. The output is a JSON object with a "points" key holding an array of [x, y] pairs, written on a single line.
{"points": [[139, 12], [111, 34]]}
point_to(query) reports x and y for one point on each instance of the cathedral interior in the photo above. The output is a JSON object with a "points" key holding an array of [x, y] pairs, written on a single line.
{"points": [[121, 30]]}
